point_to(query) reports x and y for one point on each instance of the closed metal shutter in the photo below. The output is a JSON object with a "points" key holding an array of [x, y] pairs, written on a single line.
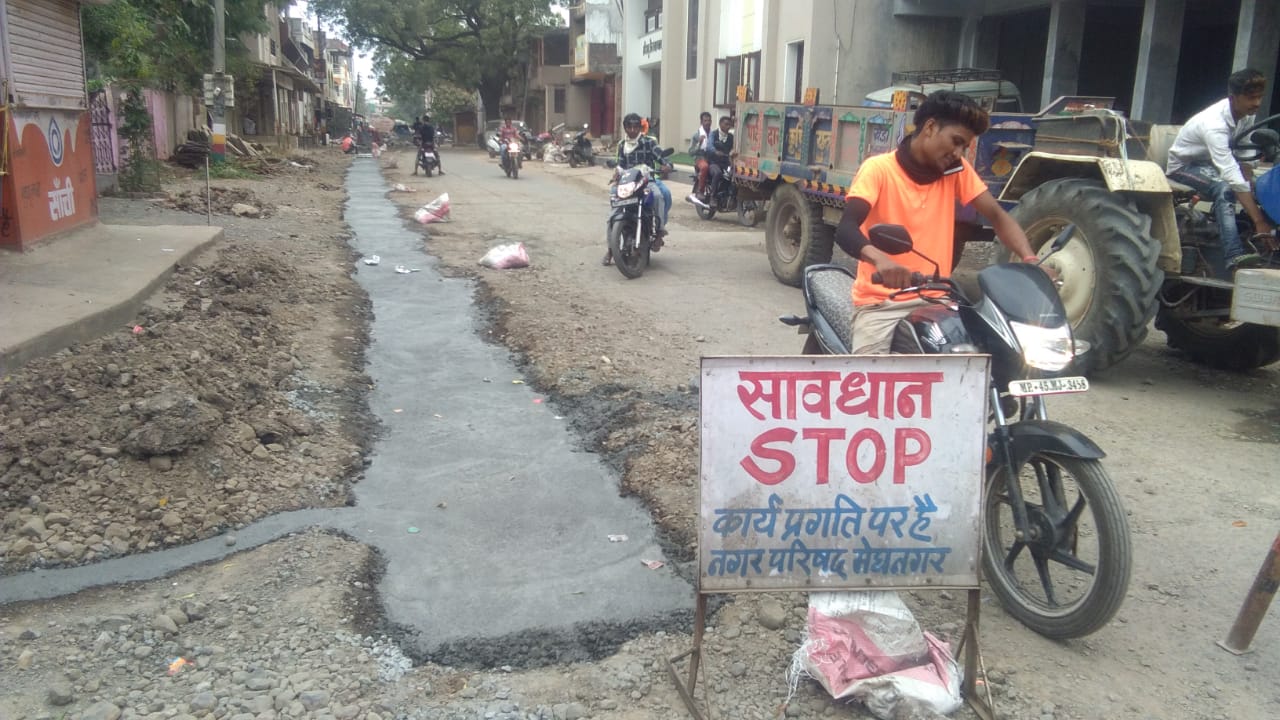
{"points": [[45, 53]]}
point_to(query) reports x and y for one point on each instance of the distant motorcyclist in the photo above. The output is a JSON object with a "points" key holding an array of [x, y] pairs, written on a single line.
{"points": [[638, 149], [427, 138], [698, 149], [721, 152]]}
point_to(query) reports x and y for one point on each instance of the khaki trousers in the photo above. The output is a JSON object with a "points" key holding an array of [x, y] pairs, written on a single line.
{"points": [[872, 328]]}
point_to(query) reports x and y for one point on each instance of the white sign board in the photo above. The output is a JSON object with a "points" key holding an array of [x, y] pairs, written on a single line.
{"points": [[841, 472]]}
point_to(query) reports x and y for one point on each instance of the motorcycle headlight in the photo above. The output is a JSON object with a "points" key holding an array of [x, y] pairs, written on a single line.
{"points": [[626, 190], [1045, 348], [515, 147]]}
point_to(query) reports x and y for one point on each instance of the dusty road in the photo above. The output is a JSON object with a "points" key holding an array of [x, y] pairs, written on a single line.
{"points": [[1193, 452]]}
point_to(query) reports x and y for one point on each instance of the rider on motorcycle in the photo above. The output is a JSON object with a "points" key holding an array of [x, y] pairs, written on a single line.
{"points": [[637, 149], [917, 186], [721, 153], [427, 138], [507, 132]]}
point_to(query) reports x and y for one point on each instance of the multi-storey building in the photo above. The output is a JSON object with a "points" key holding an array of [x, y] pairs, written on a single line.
{"points": [[1162, 59]]}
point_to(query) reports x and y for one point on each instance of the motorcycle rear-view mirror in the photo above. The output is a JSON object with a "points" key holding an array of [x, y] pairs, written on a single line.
{"points": [[891, 239]]}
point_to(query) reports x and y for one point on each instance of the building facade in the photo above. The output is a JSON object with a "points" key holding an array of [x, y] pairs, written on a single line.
{"points": [[595, 31], [1163, 60], [47, 163]]}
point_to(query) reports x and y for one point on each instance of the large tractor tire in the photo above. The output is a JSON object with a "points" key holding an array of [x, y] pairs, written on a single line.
{"points": [[1223, 345], [795, 235], [1108, 271]]}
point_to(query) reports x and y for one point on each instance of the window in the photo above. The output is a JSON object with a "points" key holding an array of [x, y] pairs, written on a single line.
{"points": [[733, 71], [793, 77], [557, 101], [691, 51], [653, 17]]}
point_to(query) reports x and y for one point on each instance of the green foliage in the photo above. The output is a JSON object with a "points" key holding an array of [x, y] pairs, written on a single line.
{"points": [[165, 43], [141, 172], [477, 44]]}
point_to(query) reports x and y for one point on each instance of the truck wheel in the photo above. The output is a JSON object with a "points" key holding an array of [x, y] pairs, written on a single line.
{"points": [[1108, 270], [1223, 345], [795, 235]]}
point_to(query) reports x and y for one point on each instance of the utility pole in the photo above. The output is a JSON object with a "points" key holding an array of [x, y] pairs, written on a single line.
{"points": [[219, 87]]}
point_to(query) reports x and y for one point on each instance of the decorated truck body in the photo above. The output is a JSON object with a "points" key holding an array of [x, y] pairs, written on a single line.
{"points": [[1141, 250]]}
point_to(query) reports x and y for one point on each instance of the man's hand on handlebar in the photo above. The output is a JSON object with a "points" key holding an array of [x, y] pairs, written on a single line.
{"points": [[890, 274]]}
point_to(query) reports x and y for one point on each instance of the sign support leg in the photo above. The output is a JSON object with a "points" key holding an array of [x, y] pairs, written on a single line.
{"points": [[695, 659], [984, 707], [1255, 604]]}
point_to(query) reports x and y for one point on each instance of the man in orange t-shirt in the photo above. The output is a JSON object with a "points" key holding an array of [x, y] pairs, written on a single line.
{"points": [[917, 186]]}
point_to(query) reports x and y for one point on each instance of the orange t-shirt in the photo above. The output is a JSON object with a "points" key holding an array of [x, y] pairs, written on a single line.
{"points": [[927, 211]]}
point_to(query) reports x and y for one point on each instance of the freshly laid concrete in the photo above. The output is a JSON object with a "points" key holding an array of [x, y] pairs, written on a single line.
{"points": [[493, 523], [513, 520], [85, 284]]}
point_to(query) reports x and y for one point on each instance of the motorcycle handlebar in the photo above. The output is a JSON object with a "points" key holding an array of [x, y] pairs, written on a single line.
{"points": [[917, 278]]}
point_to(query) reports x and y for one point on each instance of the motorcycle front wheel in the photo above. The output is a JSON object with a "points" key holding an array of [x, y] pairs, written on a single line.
{"points": [[573, 160], [1069, 577], [630, 260]]}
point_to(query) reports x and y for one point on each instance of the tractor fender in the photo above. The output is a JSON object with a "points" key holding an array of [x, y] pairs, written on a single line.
{"points": [[1142, 181]]}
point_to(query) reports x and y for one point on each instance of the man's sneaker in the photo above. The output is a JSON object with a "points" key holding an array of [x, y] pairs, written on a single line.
{"points": [[696, 200], [1246, 260]]}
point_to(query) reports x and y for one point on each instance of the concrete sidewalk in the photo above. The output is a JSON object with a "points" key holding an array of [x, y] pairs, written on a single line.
{"points": [[86, 283]]}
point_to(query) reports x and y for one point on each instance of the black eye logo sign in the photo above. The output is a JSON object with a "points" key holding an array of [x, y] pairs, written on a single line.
{"points": [[55, 142]]}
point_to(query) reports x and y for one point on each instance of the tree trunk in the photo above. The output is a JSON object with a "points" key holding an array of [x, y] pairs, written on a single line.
{"points": [[491, 97]]}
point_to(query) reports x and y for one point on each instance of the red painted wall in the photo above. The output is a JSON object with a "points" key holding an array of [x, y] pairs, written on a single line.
{"points": [[50, 185]]}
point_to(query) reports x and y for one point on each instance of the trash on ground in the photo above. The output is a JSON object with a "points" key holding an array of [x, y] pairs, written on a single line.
{"points": [[517, 382], [406, 270], [137, 329], [442, 505], [401, 187], [506, 257], [372, 260], [435, 211], [868, 646], [653, 564], [176, 665], [1240, 523], [398, 410], [617, 538], [537, 401], [413, 530]]}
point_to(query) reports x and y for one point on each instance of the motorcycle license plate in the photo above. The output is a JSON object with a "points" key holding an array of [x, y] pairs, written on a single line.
{"points": [[616, 202], [1048, 386]]}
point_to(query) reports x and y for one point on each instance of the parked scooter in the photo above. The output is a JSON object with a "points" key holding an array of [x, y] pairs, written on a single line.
{"points": [[1055, 537], [580, 151], [633, 230]]}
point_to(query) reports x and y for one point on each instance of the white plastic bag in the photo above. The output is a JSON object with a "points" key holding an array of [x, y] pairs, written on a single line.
{"points": [[435, 211], [506, 257], [868, 647]]}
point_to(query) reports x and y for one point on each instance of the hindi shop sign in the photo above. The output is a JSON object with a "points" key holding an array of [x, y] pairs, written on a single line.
{"points": [[841, 472]]}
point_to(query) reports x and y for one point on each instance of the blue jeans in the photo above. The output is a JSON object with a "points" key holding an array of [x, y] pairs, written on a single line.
{"points": [[665, 194], [1204, 180]]}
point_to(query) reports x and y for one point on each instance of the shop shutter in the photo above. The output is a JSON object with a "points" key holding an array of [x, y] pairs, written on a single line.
{"points": [[45, 53]]}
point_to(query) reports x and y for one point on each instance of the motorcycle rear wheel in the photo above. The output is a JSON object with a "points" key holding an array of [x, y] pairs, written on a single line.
{"points": [[706, 213], [631, 261], [1090, 561]]}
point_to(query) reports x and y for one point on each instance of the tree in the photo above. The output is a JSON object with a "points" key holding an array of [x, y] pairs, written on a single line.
{"points": [[166, 43], [469, 43]]}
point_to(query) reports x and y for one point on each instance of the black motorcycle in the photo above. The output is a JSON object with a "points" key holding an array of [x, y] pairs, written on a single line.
{"points": [[426, 159], [1055, 537], [725, 199], [632, 218], [580, 150]]}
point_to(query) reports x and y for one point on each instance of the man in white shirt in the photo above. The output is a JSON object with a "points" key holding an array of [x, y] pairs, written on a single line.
{"points": [[698, 148], [1201, 158]]}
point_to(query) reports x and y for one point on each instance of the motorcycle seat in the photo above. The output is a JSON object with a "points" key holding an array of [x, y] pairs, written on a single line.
{"points": [[832, 292]]}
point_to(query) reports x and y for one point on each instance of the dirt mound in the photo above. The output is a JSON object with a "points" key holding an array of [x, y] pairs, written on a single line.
{"points": [[223, 199]]}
